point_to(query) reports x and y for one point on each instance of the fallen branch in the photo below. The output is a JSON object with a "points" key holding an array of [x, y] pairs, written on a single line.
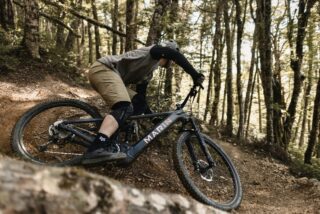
{"points": [[52, 19], [88, 19]]}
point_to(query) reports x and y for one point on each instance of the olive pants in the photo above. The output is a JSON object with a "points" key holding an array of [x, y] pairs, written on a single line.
{"points": [[109, 84]]}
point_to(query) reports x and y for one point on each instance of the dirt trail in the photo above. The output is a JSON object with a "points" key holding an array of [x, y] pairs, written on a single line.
{"points": [[268, 185]]}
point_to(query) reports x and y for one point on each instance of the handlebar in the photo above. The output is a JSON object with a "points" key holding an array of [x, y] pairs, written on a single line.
{"points": [[192, 93]]}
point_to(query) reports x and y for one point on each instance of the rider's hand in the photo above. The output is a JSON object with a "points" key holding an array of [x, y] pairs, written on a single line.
{"points": [[198, 80]]}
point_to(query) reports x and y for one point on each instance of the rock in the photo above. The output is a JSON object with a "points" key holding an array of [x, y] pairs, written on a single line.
{"points": [[303, 181], [28, 188]]}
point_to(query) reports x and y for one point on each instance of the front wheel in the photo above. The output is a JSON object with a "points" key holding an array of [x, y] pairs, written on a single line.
{"points": [[218, 185]]}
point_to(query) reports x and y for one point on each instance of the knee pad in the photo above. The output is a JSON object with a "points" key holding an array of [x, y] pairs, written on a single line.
{"points": [[121, 111], [139, 104]]}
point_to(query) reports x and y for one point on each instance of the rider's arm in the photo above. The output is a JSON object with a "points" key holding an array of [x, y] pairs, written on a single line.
{"points": [[158, 52], [141, 88], [139, 100]]}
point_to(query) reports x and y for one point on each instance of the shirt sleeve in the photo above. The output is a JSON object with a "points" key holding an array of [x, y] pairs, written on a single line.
{"points": [[158, 52], [141, 88]]}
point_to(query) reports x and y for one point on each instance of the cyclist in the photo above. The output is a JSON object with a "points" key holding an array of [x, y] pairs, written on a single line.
{"points": [[109, 77]]}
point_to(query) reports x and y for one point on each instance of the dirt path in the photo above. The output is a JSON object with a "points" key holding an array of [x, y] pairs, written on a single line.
{"points": [[268, 185]]}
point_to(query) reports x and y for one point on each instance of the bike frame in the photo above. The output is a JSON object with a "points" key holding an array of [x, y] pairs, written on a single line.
{"points": [[136, 149]]}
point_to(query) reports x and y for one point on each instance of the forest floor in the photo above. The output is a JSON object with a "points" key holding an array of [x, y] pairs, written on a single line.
{"points": [[268, 185]]}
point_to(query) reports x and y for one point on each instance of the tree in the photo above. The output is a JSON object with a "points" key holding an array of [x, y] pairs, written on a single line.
{"points": [[315, 127], [240, 24], [6, 14], [130, 25], [60, 29], [155, 25], [173, 15], [309, 84], [115, 14], [31, 38], [90, 43], [96, 29], [263, 23], [251, 69], [71, 38], [229, 126], [216, 62], [295, 64]]}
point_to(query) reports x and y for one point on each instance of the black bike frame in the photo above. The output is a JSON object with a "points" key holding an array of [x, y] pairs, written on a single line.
{"points": [[136, 149]]}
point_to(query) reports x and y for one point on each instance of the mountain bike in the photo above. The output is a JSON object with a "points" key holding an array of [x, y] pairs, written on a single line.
{"points": [[58, 133]]}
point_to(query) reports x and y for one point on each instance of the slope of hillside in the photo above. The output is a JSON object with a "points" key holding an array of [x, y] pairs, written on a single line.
{"points": [[268, 185]]}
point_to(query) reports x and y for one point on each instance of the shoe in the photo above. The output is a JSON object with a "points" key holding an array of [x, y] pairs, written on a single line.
{"points": [[98, 154]]}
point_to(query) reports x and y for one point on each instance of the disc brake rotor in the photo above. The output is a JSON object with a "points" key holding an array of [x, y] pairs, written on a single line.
{"points": [[207, 174]]}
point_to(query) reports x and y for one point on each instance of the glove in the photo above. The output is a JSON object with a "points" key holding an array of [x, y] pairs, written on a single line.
{"points": [[198, 80]]}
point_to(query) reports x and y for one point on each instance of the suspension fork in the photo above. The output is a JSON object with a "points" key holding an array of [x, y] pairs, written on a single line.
{"points": [[203, 145]]}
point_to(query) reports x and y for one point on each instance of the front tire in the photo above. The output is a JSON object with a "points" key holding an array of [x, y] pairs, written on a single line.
{"points": [[35, 138], [218, 186]]}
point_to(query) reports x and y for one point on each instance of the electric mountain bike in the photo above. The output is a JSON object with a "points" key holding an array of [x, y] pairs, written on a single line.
{"points": [[59, 132]]}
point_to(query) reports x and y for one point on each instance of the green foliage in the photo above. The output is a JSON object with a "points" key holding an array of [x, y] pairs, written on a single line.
{"points": [[10, 38], [8, 63], [8, 60], [300, 169]]}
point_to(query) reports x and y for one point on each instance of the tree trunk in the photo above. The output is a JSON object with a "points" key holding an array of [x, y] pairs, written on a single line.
{"points": [[315, 127], [240, 23], [259, 98], [90, 44], [173, 15], [311, 52], [96, 29], [71, 39], [218, 45], [229, 126], [122, 42], [88, 19], [6, 14], [250, 103], [318, 147], [81, 45], [156, 22], [130, 25], [31, 39], [263, 22], [297, 129], [223, 104], [30, 188], [135, 20], [251, 71], [115, 14], [60, 30], [296, 62]]}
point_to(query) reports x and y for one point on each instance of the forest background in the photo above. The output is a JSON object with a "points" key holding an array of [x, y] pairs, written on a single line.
{"points": [[261, 59]]}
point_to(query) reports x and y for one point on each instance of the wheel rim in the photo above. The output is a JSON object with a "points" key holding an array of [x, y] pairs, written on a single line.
{"points": [[216, 185], [40, 143]]}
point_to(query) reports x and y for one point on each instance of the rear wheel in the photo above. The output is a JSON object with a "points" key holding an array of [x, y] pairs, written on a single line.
{"points": [[219, 185], [38, 138]]}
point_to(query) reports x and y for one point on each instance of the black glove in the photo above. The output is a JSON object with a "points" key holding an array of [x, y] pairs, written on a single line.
{"points": [[198, 80]]}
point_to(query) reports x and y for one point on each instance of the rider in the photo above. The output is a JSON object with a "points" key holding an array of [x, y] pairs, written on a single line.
{"points": [[110, 75]]}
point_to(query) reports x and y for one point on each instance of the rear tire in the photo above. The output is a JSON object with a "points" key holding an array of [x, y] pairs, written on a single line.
{"points": [[218, 186], [33, 131]]}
